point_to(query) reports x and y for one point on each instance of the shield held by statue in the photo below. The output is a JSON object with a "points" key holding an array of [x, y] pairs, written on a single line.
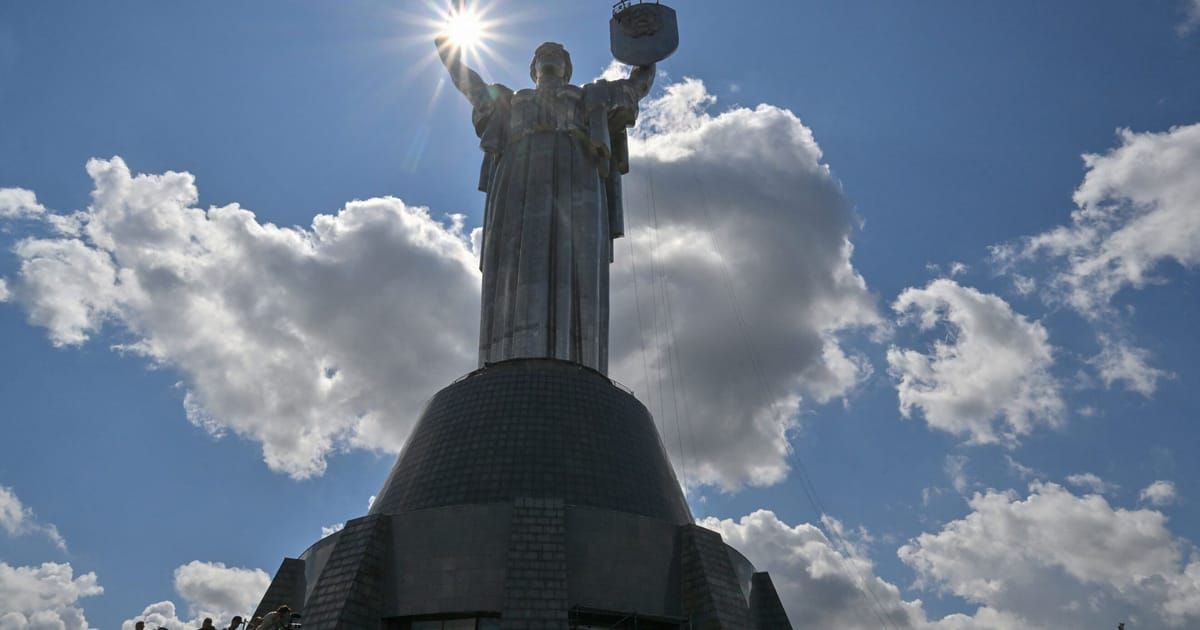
{"points": [[643, 33]]}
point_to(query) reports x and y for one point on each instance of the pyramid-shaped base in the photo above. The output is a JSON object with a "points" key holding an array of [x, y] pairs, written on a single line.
{"points": [[532, 494]]}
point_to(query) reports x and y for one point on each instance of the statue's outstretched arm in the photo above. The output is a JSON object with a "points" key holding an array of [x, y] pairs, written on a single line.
{"points": [[465, 79], [642, 79]]}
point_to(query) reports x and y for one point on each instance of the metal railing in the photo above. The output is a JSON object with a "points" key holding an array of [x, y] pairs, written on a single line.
{"points": [[625, 4]]}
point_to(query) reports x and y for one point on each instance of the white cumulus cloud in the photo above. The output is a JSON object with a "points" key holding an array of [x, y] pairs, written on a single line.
{"points": [[988, 379], [1135, 209], [823, 584], [615, 70], [18, 519], [313, 339], [753, 255], [209, 589], [1135, 212], [304, 340], [820, 586], [17, 203], [44, 597], [1160, 493], [1057, 560]]}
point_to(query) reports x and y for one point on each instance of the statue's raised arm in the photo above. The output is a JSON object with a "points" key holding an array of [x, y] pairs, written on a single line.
{"points": [[489, 105], [641, 79], [465, 79]]}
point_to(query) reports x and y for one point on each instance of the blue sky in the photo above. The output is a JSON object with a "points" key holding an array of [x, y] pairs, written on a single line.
{"points": [[953, 131]]}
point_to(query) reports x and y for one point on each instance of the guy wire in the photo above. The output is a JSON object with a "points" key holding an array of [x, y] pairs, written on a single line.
{"points": [[805, 479], [662, 277]]}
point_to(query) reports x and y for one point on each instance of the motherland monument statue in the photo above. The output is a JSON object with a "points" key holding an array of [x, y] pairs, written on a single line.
{"points": [[535, 492], [553, 159]]}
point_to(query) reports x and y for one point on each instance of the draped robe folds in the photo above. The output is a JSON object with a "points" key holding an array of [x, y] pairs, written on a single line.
{"points": [[553, 209]]}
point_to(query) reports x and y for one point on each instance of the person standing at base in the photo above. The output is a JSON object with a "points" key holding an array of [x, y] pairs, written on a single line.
{"points": [[277, 619]]}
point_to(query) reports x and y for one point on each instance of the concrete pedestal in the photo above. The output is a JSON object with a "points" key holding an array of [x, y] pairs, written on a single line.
{"points": [[532, 494]]}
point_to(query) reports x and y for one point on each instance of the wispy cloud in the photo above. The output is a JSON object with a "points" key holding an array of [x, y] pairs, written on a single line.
{"points": [[956, 471], [1121, 362], [1089, 481], [1192, 18], [19, 520], [1160, 493]]}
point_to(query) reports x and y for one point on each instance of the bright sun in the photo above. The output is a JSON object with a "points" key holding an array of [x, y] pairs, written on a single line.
{"points": [[464, 27], [467, 26]]}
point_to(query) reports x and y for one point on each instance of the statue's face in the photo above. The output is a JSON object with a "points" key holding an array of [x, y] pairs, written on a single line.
{"points": [[551, 64]]}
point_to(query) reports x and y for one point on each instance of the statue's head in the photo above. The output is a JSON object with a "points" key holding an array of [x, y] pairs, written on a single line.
{"points": [[550, 60]]}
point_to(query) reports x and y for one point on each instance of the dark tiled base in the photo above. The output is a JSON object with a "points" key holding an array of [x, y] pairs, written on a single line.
{"points": [[532, 494], [535, 428]]}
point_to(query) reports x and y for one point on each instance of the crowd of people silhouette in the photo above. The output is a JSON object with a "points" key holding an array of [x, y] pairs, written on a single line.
{"points": [[279, 619]]}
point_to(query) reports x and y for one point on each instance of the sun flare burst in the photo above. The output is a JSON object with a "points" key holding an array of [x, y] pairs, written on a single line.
{"points": [[464, 27], [474, 28], [478, 30]]}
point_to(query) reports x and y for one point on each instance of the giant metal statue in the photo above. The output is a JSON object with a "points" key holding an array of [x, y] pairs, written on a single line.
{"points": [[554, 155], [533, 493]]}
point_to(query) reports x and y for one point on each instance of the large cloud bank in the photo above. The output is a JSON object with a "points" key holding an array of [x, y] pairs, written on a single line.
{"points": [[45, 596], [303, 340], [210, 589], [1048, 559], [310, 340], [1062, 561], [751, 227], [824, 584]]}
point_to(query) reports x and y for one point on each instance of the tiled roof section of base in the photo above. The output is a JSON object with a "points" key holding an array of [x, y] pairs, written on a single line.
{"points": [[710, 592], [766, 610], [349, 593], [287, 587], [535, 428]]}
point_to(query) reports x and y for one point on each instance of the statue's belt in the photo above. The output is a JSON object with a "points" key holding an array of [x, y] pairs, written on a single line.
{"points": [[576, 132]]}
